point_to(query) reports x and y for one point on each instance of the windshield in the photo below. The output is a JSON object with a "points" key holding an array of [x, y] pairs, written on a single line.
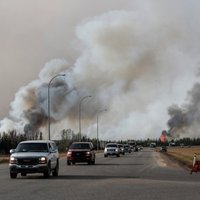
{"points": [[111, 145], [80, 146], [32, 147], [132, 144]]}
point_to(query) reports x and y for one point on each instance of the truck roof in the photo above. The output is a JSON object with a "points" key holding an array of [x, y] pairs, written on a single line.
{"points": [[36, 141]]}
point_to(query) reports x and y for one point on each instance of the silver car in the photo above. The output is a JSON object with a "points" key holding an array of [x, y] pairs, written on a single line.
{"points": [[121, 149], [112, 149], [127, 148]]}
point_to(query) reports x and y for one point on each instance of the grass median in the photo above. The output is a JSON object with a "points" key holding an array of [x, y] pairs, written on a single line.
{"points": [[185, 154], [4, 159]]}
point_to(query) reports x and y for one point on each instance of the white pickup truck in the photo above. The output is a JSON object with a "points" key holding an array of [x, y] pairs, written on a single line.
{"points": [[34, 156]]}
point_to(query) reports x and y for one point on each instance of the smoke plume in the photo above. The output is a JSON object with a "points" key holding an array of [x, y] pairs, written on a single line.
{"points": [[185, 120], [134, 63]]}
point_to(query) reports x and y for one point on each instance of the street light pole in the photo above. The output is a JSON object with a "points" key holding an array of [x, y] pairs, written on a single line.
{"points": [[80, 114], [98, 126], [49, 121]]}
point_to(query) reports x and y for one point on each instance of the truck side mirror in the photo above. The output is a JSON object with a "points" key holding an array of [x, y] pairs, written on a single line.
{"points": [[12, 151]]}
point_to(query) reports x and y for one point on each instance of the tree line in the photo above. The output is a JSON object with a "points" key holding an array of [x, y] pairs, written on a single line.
{"points": [[11, 139]]}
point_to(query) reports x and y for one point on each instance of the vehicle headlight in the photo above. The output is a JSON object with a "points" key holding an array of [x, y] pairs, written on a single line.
{"points": [[117, 150], [69, 153], [88, 153], [13, 160], [43, 160]]}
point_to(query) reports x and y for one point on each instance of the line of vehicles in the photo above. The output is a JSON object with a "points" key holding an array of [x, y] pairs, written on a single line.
{"points": [[41, 156], [116, 149], [85, 152]]}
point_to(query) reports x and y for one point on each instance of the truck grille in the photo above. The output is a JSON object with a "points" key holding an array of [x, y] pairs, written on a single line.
{"points": [[111, 150], [27, 161], [78, 154]]}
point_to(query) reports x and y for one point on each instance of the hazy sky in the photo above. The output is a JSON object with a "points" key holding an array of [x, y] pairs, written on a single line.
{"points": [[36, 31], [136, 57]]}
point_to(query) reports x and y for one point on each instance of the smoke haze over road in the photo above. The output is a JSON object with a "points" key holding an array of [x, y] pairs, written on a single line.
{"points": [[136, 63]]}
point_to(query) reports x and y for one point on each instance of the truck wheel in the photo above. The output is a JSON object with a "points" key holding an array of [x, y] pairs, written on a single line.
{"points": [[13, 175], [56, 170], [47, 172], [89, 162], [68, 162]]}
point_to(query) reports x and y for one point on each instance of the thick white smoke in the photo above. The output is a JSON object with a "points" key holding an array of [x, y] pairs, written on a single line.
{"points": [[135, 64]]}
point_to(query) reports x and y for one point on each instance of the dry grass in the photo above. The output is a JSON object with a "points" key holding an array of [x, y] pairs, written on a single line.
{"points": [[185, 154], [4, 159]]}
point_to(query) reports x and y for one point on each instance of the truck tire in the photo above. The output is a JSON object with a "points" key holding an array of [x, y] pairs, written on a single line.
{"points": [[13, 175], [56, 170], [47, 172], [93, 162], [89, 162]]}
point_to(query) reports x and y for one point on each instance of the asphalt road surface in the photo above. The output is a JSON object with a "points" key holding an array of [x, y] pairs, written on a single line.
{"points": [[140, 175]]}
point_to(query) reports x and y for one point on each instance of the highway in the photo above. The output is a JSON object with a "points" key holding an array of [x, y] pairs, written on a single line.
{"points": [[140, 175]]}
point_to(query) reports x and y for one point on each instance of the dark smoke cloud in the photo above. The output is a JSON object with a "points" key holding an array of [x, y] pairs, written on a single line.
{"points": [[186, 119], [37, 118]]}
